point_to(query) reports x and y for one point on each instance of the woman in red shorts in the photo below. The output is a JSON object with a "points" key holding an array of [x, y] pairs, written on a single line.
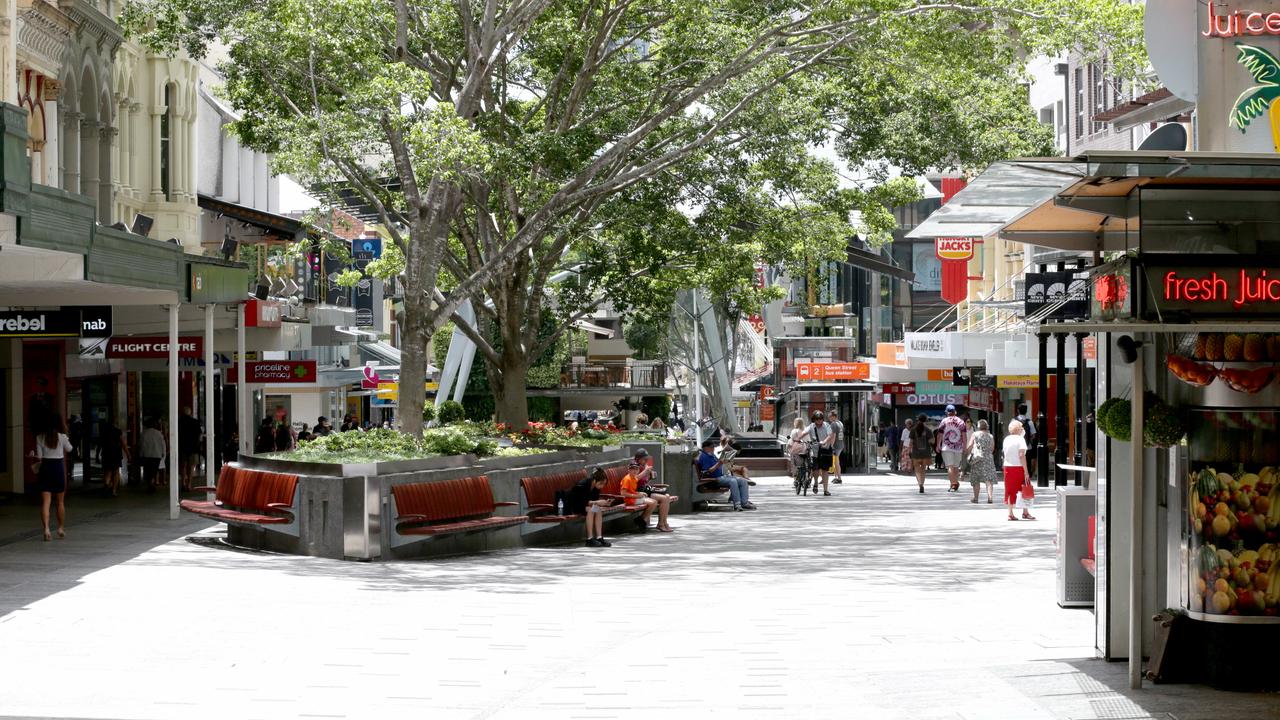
{"points": [[1015, 468]]}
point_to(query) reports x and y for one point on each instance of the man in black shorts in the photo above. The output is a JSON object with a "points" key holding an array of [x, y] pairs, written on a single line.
{"points": [[821, 432]]}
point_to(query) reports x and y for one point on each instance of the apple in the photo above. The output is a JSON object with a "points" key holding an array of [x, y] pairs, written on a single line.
{"points": [[1260, 582], [1201, 510], [1221, 509], [1261, 504]]}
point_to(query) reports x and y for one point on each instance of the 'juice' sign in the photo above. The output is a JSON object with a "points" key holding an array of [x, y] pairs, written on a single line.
{"points": [[1239, 23], [1217, 290]]}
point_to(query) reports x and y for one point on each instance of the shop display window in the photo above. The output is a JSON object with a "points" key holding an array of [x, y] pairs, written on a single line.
{"points": [[1232, 511]]}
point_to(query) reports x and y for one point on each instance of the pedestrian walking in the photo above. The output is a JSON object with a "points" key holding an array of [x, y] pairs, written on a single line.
{"points": [[1015, 469], [904, 457], [892, 445], [152, 452], [284, 436], [189, 432], [795, 445], [952, 440], [837, 428], [980, 451], [50, 457], [265, 441], [922, 448], [113, 454]]}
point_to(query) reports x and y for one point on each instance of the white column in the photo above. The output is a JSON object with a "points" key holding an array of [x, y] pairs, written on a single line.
{"points": [[242, 387], [173, 412], [71, 152], [1136, 532], [49, 174], [210, 471], [157, 190]]}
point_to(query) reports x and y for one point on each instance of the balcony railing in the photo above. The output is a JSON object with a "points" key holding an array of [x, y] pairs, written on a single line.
{"points": [[613, 375]]}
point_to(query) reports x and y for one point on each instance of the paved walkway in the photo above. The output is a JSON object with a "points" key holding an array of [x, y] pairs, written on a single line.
{"points": [[875, 603]]}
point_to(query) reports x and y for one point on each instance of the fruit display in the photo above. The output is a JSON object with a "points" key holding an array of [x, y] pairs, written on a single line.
{"points": [[1250, 347], [1234, 528], [1247, 381], [1191, 372]]}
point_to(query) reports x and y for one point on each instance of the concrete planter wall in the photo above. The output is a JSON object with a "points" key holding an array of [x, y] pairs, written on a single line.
{"points": [[347, 511]]}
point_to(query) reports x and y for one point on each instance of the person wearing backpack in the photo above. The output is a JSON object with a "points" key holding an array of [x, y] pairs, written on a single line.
{"points": [[584, 499]]}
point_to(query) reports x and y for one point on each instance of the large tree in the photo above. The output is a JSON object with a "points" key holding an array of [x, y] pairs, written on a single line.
{"points": [[650, 141]]}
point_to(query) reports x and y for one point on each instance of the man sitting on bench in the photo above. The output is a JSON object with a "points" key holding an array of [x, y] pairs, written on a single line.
{"points": [[711, 468]]}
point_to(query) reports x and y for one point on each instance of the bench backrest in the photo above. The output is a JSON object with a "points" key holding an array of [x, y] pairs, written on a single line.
{"points": [[445, 499], [541, 490], [246, 489]]}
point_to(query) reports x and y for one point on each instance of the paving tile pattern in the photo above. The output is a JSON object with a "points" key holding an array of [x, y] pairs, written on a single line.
{"points": [[874, 603]]}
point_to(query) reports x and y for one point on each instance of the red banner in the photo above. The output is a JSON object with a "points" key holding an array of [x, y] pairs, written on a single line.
{"points": [[984, 399], [155, 348], [276, 372]]}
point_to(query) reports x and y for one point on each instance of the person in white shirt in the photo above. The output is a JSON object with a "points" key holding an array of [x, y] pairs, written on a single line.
{"points": [[152, 452], [1015, 469], [50, 465]]}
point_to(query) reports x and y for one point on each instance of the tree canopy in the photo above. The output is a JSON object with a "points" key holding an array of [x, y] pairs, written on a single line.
{"points": [[539, 155]]}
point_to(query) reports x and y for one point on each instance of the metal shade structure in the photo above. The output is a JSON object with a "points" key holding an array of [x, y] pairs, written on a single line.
{"points": [[1099, 201]]}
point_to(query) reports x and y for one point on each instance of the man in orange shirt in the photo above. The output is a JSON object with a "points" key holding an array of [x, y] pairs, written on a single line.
{"points": [[638, 490]]}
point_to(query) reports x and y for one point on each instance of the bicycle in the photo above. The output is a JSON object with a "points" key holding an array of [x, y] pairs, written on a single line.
{"points": [[804, 475]]}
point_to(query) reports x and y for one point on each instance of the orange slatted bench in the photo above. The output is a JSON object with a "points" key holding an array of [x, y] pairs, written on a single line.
{"points": [[247, 496], [448, 507], [540, 496]]}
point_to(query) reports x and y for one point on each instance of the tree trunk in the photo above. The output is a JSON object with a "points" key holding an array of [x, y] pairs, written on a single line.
{"points": [[413, 357], [509, 390]]}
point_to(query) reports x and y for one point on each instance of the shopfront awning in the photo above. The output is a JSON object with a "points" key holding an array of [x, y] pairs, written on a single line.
{"points": [[280, 227], [876, 262], [381, 352], [1003, 193], [832, 387]]}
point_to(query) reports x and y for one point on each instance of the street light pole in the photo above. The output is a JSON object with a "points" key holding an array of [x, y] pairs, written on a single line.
{"points": [[697, 376]]}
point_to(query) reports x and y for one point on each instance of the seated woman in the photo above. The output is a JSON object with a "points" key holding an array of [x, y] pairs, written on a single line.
{"points": [[584, 498], [639, 488]]}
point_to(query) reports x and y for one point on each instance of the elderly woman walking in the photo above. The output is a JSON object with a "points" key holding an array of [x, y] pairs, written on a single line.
{"points": [[1015, 468], [982, 462]]}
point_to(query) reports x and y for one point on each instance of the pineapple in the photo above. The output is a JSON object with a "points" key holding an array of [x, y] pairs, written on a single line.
{"points": [[1255, 348], [1202, 339], [1232, 347], [1261, 98], [1213, 347]]}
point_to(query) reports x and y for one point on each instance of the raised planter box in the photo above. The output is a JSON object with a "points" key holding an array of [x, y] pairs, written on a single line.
{"points": [[347, 511]]}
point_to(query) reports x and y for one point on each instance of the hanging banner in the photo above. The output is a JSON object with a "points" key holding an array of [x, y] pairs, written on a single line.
{"points": [[983, 398]]}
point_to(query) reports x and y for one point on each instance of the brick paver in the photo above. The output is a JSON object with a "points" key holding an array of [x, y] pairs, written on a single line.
{"points": [[875, 603]]}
